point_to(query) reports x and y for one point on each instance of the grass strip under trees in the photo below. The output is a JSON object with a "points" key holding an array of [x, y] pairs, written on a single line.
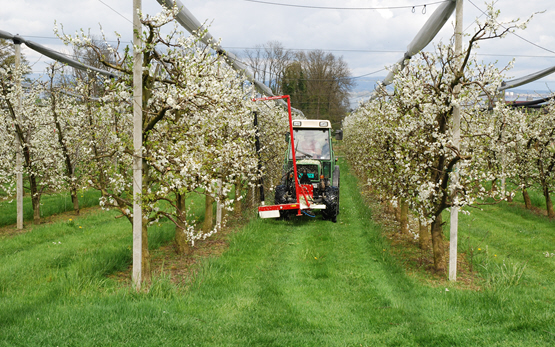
{"points": [[51, 204]]}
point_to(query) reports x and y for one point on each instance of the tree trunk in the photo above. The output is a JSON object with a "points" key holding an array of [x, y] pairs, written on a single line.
{"points": [[208, 214], [398, 210], [404, 220], [69, 166], [548, 203], [35, 198], [494, 185], [510, 198], [75, 201], [545, 188], [526, 196], [437, 244], [423, 235], [250, 198], [181, 243], [238, 194]]}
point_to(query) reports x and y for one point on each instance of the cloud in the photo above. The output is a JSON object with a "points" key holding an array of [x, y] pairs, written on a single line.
{"points": [[386, 14]]}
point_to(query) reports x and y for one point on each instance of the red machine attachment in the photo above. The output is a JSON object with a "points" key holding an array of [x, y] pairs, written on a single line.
{"points": [[272, 211]]}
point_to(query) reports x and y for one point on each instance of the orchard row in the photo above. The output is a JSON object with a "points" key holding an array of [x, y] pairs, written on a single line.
{"points": [[74, 129], [402, 142]]}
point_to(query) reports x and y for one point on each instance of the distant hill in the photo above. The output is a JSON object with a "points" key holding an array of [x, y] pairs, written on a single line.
{"points": [[362, 90], [364, 87]]}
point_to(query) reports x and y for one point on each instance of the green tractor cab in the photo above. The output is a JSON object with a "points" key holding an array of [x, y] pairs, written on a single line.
{"points": [[318, 176]]}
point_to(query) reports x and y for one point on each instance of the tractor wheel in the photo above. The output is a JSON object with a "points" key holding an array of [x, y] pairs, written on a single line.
{"points": [[280, 198], [335, 181], [331, 200]]}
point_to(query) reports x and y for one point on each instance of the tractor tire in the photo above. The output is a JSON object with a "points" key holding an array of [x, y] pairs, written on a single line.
{"points": [[280, 192], [331, 200], [335, 181], [280, 198]]}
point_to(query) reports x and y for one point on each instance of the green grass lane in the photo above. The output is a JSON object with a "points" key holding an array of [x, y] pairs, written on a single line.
{"points": [[51, 204], [61, 263], [506, 232], [304, 282], [316, 283]]}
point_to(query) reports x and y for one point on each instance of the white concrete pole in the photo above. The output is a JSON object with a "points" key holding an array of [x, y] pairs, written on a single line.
{"points": [[137, 144], [503, 156], [19, 155], [219, 206], [454, 225]]}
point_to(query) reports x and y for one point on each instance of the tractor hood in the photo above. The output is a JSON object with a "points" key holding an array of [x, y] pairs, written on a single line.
{"points": [[308, 162]]}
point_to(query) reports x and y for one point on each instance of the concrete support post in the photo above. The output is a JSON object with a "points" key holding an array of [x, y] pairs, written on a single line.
{"points": [[503, 155], [137, 144], [456, 143], [19, 154]]}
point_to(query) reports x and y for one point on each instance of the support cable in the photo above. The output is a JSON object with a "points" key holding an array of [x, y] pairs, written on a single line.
{"points": [[412, 7], [515, 34], [52, 54], [193, 26], [517, 82], [426, 34]]}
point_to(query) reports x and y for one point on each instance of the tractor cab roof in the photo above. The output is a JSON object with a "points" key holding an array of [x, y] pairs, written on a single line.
{"points": [[311, 123]]}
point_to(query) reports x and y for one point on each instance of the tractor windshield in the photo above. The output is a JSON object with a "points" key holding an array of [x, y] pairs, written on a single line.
{"points": [[311, 143]]}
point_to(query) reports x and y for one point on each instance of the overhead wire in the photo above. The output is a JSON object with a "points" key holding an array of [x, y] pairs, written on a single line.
{"points": [[337, 49], [122, 16], [476, 19], [255, 48], [57, 38], [520, 37], [332, 79], [69, 55], [326, 50], [351, 8]]}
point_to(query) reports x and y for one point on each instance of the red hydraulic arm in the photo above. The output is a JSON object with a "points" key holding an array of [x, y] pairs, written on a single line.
{"points": [[298, 189]]}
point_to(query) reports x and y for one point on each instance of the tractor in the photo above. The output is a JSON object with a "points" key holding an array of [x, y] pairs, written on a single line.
{"points": [[317, 173], [308, 183], [310, 180]]}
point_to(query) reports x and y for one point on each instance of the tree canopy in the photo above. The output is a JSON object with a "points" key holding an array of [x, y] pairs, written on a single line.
{"points": [[318, 82]]}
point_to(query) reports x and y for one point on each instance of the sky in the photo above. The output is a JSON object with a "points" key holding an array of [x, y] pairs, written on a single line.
{"points": [[368, 40]]}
